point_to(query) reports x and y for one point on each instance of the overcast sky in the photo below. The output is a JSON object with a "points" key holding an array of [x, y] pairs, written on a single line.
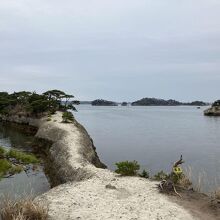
{"points": [[112, 49]]}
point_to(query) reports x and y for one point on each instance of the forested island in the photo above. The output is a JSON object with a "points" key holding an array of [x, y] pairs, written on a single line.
{"points": [[102, 102], [162, 102], [144, 102]]}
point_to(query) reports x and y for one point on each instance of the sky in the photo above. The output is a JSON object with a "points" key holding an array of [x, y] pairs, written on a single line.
{"points": [[120, 50]]}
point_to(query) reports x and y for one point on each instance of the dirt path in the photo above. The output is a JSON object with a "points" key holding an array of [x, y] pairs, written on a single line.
{"points": [[199, 205]]}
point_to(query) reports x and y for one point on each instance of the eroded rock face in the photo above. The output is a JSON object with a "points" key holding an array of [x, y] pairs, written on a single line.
{"points": [[72, 153], [213, 111]]}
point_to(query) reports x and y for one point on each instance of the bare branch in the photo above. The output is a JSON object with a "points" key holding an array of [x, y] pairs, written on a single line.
{"points": [[180, 161]]}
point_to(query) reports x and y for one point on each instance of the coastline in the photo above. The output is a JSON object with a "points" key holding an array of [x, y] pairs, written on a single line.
{"points": [[89, 192]]}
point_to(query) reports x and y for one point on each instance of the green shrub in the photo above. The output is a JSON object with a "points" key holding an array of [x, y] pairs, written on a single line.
{"points": [[49, 119], [2, 151], [127, 168], [67, 117], [23, 157], [161, 176], [144, 174], [4, 166]]}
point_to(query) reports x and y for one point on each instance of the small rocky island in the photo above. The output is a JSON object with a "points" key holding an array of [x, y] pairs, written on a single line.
{"points": [[102, 102], [214, 110], [162, 102]]}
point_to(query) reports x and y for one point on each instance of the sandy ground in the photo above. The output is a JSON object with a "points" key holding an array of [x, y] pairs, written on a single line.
{"points": [[112, 198], [94, 193]]}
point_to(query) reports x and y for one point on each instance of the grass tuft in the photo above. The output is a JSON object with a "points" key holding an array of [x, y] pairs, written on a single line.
{"points": [[161, 176], [144, 174], [4, 166], [24, 209], [217, 194], [23, 157], [7, 167], [15, 169]]}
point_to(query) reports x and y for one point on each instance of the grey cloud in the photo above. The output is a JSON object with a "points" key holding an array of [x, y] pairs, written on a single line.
{"points": [[121, 50]]}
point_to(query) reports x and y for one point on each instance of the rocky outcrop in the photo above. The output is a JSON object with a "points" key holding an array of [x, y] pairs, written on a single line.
{"points": [[213, 111]]}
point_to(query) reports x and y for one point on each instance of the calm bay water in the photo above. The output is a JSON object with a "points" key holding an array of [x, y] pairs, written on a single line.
{"points": [[31, 183], [156, 137]]}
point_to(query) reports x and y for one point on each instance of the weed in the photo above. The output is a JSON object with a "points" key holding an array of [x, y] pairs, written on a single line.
{"points": [[67, 117], [127, 168], [161, 176], [144, 174]]}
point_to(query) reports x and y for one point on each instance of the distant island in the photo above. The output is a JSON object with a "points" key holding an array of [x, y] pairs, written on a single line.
{"points": [[214, 110], [102, 102], [162, 102], [145, 102], [124, 103]]}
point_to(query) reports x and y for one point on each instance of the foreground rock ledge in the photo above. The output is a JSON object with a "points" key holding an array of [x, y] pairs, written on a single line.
{"points": [[89, 192]]}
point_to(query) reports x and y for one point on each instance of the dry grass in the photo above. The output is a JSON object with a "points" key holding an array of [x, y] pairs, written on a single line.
{"points": [[24, 209], [184, 182], [199, 182], [217, 194]]}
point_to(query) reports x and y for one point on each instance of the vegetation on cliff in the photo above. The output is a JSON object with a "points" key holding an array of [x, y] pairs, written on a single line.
{"points": [[67, 117], [26, 103], [102, 102]]}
